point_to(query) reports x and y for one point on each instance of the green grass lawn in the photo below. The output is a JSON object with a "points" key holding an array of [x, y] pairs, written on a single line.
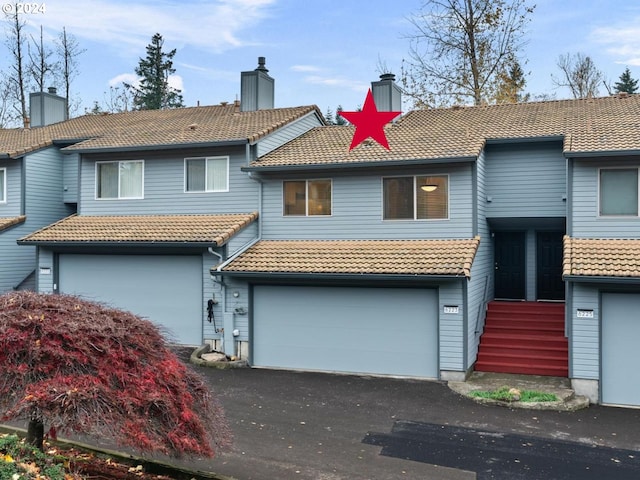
{"points": [[507, 394]]}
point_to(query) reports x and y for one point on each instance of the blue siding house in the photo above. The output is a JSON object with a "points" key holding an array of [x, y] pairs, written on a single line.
{"points": [[31, 195], [498, 201], [494, 238], [161, 197]]}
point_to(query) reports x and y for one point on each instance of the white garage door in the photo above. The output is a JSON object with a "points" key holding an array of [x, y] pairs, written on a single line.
{"points": [[386, 331], [620, 352], [165, 289]]}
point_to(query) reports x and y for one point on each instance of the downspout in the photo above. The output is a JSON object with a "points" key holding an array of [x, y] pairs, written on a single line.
{"points": [[220, 281]]}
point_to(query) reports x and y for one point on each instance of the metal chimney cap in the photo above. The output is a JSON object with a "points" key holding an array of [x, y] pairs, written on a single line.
{"points": [[387, 76], [261, 63], [53, 90]]}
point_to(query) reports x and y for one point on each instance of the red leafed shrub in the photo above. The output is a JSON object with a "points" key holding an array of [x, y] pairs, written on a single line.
{"points": [[82, 367]]}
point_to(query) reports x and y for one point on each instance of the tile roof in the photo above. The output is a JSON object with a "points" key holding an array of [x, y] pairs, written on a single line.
{"points": [[359, 257], [609, 124], [153, 128], [601, 257], [143, 229], [6, 222]]}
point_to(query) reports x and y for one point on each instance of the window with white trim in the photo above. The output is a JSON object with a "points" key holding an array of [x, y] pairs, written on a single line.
{"points": [[206, 174], [307, 197], [618, 195], [120, 180], [3, 185], [416, 197]]}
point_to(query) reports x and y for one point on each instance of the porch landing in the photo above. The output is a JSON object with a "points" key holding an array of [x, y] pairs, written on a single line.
{"points": [[567, 400]]}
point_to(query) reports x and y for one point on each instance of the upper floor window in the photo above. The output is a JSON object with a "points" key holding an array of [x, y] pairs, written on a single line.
{"points": [[122, 179], [416, 197], [307, 197], [206, 174], [3, 185], [619, 192]]}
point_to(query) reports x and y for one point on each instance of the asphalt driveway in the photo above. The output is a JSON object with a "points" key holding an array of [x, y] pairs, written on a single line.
{"points": [[292, 425]]}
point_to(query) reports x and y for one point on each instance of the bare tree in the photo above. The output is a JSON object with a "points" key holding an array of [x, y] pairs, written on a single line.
{"points": [[7, 115], [459, 47], [40, 64], [15, 42], [579, 74], [68, 50]]}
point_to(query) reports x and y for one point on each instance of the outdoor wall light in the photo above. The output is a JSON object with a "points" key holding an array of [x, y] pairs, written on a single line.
{"points": [[236, 294]]}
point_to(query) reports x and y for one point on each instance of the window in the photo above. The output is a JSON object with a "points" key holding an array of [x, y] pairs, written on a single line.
{"points": [[206, 174], [416, 197], [3, 185], [119, 179], [619, 192], [307, 197]]}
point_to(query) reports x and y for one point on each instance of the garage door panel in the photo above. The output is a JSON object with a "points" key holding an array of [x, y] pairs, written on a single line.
{"points": [[357, 330], [165, 289], [620, 349]]}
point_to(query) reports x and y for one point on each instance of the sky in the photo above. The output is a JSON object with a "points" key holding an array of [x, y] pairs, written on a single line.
{"points": [[323, 52]]}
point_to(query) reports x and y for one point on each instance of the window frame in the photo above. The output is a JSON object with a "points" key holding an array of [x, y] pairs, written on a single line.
{"points": [[206, 167], [306, 198], [118, 163], [415, 198], [3, 198], [599, 191]]}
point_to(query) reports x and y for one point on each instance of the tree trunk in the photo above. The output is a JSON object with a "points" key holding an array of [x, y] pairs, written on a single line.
{"points": [[35, 433]]}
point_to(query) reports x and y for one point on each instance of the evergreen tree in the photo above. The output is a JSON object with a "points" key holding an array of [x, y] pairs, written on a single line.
{"points": [[154, 91], [627, 83], [511, 82]]}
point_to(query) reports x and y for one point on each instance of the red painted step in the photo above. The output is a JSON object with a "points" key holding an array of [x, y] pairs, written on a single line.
{"points": [[524, 337]]}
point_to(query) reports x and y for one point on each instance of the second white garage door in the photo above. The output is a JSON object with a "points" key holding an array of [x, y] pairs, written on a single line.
{"points": [[388, 331], [165, 289]]}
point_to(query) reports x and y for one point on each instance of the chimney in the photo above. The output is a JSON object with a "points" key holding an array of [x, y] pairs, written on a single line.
{"points": [[46, 108], [256, 88], [387, 93]]}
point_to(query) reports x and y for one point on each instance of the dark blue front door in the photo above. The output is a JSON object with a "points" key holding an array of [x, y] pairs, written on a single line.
{"points": [[509, 258]]}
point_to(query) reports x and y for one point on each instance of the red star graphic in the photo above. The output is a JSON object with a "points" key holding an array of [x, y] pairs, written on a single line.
{"points": [[369, 123]]}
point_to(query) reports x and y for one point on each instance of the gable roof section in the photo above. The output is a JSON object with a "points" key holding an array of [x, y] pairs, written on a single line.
{"points": [[587, 126], [358, 257], [208, 230], [588, 257], [8, 222], [149, 129]]}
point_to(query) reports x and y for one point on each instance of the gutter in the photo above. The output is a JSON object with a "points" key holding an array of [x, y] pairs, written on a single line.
{"points": [[603, 279], [333, 276], [44, 243], [358, 165], [167, 146], [601, 153]]}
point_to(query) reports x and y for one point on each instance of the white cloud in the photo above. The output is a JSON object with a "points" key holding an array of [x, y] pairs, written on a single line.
{"points": [[215, 25], [622, 40], [305, 68], [175, 81], [130, 78], [341, 82]]}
